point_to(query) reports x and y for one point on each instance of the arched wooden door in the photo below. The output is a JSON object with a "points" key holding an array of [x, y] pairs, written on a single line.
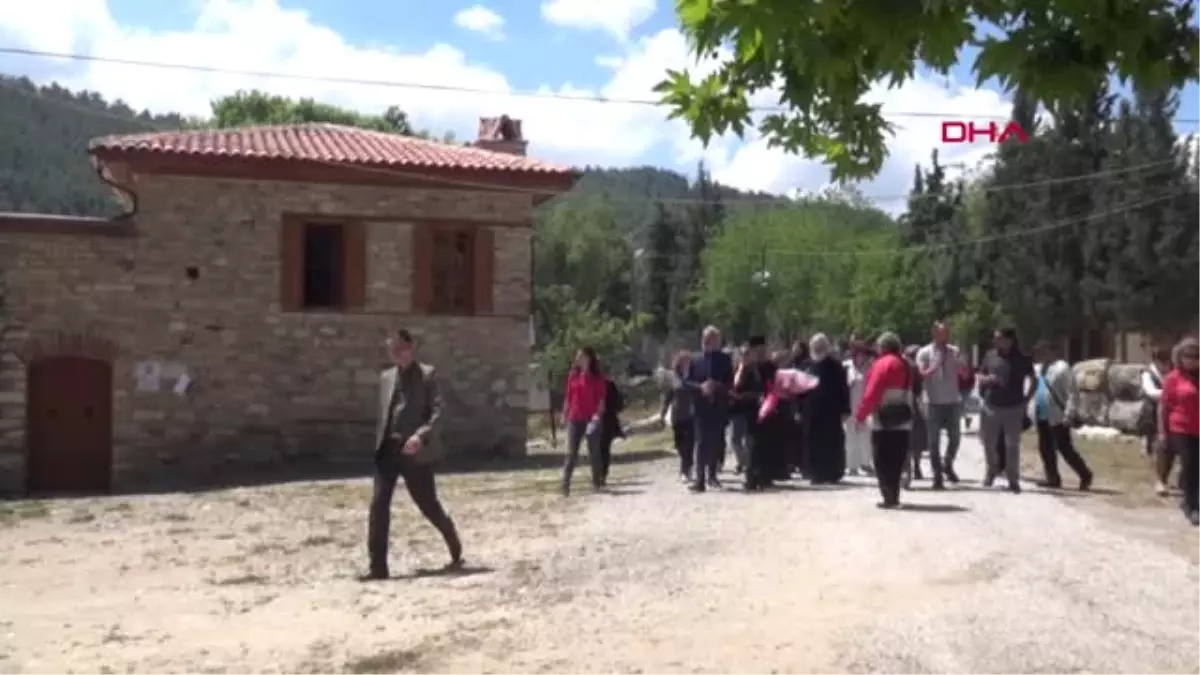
{"points": [[69, 425]]}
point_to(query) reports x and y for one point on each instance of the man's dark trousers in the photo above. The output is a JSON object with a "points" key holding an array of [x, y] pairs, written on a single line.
{"points": [[422, 487], [710, 438]]}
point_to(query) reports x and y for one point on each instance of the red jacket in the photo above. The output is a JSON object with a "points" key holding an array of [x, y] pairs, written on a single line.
{"points": [[888, 373], [585, 396], [1181, 404]]}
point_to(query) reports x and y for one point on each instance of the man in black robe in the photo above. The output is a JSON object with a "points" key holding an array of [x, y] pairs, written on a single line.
{"points": [[826, 408]]}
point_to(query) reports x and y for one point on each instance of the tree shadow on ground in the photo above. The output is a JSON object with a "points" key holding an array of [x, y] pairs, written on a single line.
{"points": [[306, 470], [543, 460]]}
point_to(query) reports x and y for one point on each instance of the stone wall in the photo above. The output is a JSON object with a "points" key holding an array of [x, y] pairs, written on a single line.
{"points": [[267, 386], [1110, 394]]}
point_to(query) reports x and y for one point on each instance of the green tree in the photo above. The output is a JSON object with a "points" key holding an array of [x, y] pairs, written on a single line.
{"points": [[584, 324], [661, 261], [254, 107], [823, 58]]}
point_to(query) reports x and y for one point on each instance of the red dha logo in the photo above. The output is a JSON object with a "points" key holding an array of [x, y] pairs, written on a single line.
{"points": [[969, 132]]}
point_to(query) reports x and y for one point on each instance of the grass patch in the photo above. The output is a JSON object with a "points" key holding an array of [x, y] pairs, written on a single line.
{"points": [[12, 513], [1124, 477]]}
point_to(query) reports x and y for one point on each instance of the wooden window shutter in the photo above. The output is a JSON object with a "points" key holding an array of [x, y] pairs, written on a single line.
{"points": [[422, 269], [355, 242], [484, 272], [291, 265]]}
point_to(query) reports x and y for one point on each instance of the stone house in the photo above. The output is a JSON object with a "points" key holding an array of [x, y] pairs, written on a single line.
{"points": [[235, 315]]}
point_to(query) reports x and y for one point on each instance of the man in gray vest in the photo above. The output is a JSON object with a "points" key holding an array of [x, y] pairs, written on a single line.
{"points": [[938, 364], [406, 446]]}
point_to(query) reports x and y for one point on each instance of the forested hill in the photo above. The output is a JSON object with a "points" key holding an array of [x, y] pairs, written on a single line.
{"points": [[44, 166]]}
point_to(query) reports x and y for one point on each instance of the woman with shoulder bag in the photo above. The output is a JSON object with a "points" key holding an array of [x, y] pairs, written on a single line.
{"points": [[1152, 385], [888, 403]]}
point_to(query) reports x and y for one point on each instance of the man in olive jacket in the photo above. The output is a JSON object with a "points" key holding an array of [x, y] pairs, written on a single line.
{"points": [[406, 446]]}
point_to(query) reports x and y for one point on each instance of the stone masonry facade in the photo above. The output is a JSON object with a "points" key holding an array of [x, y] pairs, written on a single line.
{"points": [[267, 387]]}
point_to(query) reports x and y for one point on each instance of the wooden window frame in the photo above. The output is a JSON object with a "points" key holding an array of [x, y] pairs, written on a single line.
{"points": [[292, 261], [482, 260]]}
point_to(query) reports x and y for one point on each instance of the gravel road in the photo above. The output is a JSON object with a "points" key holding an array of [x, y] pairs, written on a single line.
{"points": [[819, 580], [647, 579]]}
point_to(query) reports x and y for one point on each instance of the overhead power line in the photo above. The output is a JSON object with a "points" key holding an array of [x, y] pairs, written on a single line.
{"points": [[1054, 226], [449, 88], [741, 202]]}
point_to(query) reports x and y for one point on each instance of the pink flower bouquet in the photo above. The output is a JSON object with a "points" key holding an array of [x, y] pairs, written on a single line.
{"points": [[788, 382]]}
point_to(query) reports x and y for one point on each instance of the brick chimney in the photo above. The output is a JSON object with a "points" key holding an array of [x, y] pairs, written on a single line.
{"points": [[501, 134]]}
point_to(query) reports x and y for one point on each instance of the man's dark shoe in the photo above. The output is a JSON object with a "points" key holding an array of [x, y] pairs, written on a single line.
{"points": [[1194, 517], [950, 475], [697, 486], [374, 575], [1049, 484], [714, 482], [989, 480], [1014, 488], [887, 505], [739, 470], [938, 485], [1085, 483]]}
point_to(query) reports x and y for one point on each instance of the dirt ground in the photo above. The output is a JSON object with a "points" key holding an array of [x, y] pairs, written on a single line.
{"points": [[644, 578]]}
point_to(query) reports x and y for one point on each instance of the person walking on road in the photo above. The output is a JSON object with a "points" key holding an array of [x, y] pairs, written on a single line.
{"points": [[1179, 421], [410, 409], [826, 408], [713, 374], [583, 415], [1055, 407], [1003, 377], [858, 436], [1152, 383], [888, 404], [940, 366], [679, 409]]}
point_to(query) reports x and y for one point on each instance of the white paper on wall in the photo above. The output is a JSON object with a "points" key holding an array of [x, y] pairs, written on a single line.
{"points": [[148, 375]]}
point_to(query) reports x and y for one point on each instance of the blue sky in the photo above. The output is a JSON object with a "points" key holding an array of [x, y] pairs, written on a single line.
{"points": [[617, 48]]}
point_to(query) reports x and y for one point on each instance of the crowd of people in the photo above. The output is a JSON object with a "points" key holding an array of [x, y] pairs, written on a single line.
{"points": [[814, 412], [877, 408]]}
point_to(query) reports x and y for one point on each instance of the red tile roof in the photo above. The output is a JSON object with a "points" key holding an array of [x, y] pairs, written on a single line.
{"points": [[326, 143]]}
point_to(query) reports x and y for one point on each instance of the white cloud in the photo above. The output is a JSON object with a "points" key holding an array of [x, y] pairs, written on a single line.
{"points": [[755, 166], [480, 19], [259, 34], [617, 17]]}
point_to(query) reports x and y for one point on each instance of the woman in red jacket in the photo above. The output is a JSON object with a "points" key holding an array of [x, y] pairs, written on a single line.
{"points": [[1179, 421], [888, 403], [583, 413]]}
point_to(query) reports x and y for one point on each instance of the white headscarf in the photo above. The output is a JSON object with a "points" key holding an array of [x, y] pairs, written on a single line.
{"points": [[818, 346]]}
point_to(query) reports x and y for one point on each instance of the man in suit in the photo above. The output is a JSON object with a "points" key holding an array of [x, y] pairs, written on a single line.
{"points": [[1054, 405], [406, 446], [712, 373]]}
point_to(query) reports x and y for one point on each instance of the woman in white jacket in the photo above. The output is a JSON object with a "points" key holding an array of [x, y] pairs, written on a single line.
{"points": [[858, 436], [1152, 379]]}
